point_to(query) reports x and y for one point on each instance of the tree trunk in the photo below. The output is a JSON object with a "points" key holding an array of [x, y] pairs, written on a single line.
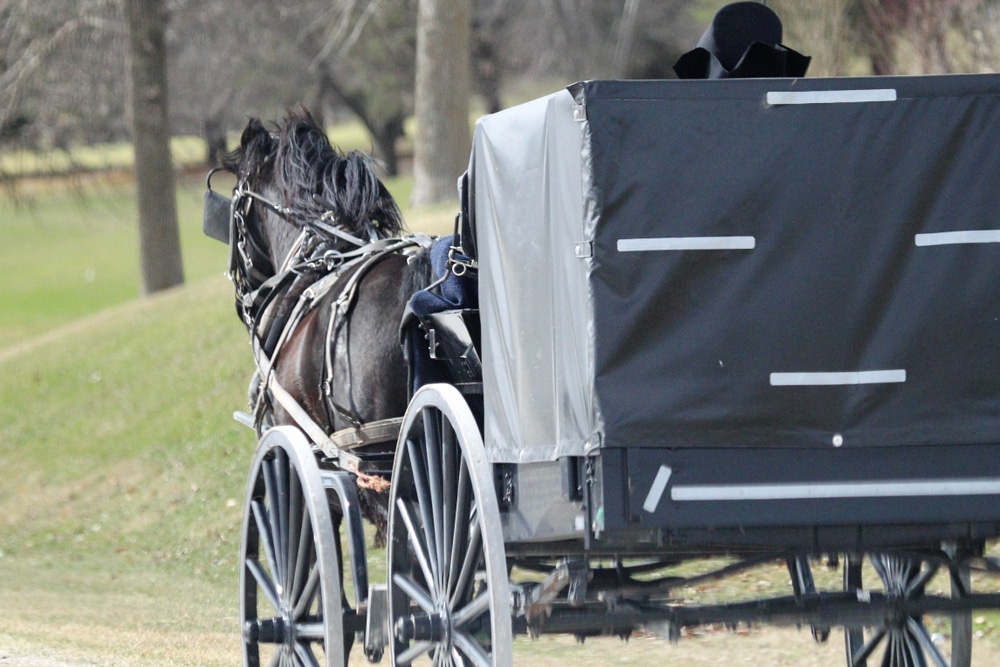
{"points": [[159, 237], [214, 132], [442, 144]]}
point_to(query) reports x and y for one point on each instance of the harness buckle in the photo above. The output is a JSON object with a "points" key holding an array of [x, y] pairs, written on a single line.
{"points": [[459, 264], [333, 259]]}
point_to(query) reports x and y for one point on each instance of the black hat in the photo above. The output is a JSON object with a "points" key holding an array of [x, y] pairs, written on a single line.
{"points": [[743, 41]]}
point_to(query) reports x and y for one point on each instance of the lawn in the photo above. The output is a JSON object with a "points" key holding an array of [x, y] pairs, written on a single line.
{"points": [[121, 470]]}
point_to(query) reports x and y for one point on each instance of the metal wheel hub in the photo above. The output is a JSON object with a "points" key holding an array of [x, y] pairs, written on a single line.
{"points": [[434, 627], [267, 631]]}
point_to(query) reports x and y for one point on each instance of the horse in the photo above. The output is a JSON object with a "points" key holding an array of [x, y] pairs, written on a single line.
{"points": [[322, 276]]}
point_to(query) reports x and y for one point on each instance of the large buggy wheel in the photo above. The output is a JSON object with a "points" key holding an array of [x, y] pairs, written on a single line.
{"points": [[449, 599], [290, 590], [907, 642]]}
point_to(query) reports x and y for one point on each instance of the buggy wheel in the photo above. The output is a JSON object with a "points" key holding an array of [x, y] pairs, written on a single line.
{"points": [[907, 642], [449, 602], [290, 592]]}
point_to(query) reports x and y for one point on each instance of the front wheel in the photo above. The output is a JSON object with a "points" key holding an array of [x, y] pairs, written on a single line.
{"points": [[449, 599], [290, 591]]}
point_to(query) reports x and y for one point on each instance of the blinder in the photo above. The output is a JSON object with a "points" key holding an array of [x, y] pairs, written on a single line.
{"points": [[217, 216]]}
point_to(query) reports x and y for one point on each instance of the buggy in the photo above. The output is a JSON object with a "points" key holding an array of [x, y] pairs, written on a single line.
{"points": [[679, 320]]}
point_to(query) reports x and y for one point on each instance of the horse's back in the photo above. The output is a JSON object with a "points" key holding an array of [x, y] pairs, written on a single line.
{"points": [[356, 326]]}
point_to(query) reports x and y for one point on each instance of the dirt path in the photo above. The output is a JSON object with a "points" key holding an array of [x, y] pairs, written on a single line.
{"points": [[15, 660], [704, 648]]}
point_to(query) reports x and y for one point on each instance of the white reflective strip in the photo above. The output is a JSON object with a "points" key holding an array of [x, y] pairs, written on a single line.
{"points": [[958, 238], [827, 490], [656, 491], [777, 98], [818, 379], [688, 243]]}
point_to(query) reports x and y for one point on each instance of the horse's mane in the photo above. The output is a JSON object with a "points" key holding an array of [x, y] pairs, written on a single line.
{"points": [[312, 177]]}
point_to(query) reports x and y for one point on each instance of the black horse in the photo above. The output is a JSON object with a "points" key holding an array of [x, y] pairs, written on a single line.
{"points": [[322, 277]]}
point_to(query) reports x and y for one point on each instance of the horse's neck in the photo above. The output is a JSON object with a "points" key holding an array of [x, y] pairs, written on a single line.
{"points": [[282, 238]]}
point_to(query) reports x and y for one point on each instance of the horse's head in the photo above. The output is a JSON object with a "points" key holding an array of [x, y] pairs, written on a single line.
{"points": [[292, 182]]}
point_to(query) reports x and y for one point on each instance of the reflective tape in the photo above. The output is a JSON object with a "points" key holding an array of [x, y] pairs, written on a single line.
{"points": [[688, 243], [656, 491], [779, 98], [828, 490], [958, 238], [822, 379]]}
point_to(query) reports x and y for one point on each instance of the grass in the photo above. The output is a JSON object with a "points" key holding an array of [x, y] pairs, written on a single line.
{"points": [[121, 471], [122, 475], [74, 250]]}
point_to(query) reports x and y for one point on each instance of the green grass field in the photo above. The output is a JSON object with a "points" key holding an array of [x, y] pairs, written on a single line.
{"points": [[121, 469]]}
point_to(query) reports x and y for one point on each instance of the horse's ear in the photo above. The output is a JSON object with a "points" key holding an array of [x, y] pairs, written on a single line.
{"points": [[256, 143], [254, 134]]}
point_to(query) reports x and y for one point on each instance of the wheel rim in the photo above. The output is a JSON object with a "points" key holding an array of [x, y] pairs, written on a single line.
{"points": [[905, 642], [449, 600], [290, 597]]}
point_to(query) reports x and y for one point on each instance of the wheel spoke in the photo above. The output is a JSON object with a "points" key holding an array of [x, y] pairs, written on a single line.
{"points": [[418, 547], [448, 501], [305, 655], [463, 497], [417, 594], [861, 656], [264, 582], [432, 452], [296, 510], [471, 648], [469, 565], [264, 534], [883, 565], [283, 469], [416, 650], [911, 650], [273, 494], [924, 641], [309, 593], [304, 555], [916, 585], [478, 606], [420, 484]]}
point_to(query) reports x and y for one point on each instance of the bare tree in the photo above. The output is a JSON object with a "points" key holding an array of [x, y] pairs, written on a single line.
{"points": [[159, 237], [58, 72], [910, 36], [821, 30], [442, 144], [363, 55], [981, 26]]}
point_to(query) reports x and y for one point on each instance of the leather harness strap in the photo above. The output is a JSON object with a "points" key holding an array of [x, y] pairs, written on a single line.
{"points": [[359, 433], [270, 329]]}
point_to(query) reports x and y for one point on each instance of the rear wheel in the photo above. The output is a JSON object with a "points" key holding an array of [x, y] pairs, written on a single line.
{"points": [[449, 599], [908, 642], [290, 591]]}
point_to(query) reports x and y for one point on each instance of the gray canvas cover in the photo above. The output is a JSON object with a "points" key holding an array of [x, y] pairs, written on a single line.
{"points": [[740, 263]]}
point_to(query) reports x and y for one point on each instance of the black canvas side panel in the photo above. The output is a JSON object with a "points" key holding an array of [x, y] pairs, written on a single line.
{"points": [[839, 311]]}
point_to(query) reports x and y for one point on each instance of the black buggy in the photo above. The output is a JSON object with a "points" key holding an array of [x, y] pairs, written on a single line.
{"points": [[757, 319]]}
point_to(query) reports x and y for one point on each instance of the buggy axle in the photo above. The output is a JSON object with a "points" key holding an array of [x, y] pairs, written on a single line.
{"points": [[848, 609]]}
